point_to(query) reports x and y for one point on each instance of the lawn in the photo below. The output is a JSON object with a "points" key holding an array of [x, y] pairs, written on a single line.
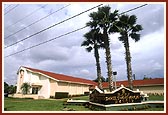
{"points": [[17, 104], [156, 97]]}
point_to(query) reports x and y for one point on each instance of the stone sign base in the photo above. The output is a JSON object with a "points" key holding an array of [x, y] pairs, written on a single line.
{"points": [[126, 106]]}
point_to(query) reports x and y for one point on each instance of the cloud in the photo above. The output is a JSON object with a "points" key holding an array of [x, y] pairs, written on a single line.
{"points": [[157, 66], [84, 71], [151, 16], [152, 19], [49, 52]]}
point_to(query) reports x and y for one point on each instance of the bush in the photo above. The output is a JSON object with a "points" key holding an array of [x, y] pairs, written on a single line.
{"points": [[76, 95], [59, 95], [5, 94], [86, 93], [52, 97]]}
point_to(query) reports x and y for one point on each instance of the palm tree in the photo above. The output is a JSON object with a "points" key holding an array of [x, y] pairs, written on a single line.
{"points": [[25, 88], [128, 28], [104, 19], [92, 40]]}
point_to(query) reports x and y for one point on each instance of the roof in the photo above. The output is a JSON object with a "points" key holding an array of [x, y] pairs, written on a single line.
{"points": [[67, 78], [146, 82], [62, 77]]}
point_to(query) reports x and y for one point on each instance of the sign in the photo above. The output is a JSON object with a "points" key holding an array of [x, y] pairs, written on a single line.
{"points": [[118, 96]]}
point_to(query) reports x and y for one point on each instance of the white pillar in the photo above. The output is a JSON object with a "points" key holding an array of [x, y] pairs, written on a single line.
{"points": [[115, 81]]}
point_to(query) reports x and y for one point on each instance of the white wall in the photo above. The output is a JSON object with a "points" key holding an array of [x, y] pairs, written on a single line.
{"points": [[49, 87], [53, 87], [72, 88], [31, 78], [35, 78], [20, 80], [152, 89], [18, 83], [45, 89]]}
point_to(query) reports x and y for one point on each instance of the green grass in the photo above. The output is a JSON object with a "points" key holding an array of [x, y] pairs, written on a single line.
{"points": [[156, 97], [154, 109], [18, 104]]}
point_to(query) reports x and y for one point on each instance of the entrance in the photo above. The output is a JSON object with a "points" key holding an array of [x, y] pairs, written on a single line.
{"points": [[35, 90]]}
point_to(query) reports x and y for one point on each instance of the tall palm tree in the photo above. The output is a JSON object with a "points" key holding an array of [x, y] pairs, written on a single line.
{"points": [[92, 40], [104, 19], [128, 29], [25, 88]]}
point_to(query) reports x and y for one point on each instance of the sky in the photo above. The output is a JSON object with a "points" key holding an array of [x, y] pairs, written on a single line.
{"points": [[64, 55]]}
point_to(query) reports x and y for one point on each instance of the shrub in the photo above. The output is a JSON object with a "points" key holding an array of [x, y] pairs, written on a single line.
{"points": [[59, 95], [86, 93]]}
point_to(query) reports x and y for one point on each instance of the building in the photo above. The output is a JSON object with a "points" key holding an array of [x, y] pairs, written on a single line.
{"points": [[47, 84], [148, 86]]}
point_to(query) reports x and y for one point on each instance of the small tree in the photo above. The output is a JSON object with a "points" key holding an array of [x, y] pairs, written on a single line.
{"points": [[12, 89], [25, 88], [6, 87]]}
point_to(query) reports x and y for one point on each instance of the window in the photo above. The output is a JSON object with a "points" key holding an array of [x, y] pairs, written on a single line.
{"points": [[35, 90]]}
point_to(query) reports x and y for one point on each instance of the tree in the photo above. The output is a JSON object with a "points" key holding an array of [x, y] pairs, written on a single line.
{"points": [[12, 89], [6, 87], [146, 77], [25, 88], [128, 28], [92, 40], [102, 79], [104, 19]]}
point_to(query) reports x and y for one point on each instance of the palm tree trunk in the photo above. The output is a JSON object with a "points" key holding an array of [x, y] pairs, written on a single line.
{"points": [[128, 62], [98, 67], [108, 60]]}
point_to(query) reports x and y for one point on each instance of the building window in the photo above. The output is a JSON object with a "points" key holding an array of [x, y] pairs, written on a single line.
{"points": [[35, 90], [21, 71]]}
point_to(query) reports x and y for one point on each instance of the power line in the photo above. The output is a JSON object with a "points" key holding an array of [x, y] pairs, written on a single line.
{"points": [[46, 41], [133, 9], [7, 7], [56, 38], [26, 16], [52, 26], [11, 9], [36, 21]]}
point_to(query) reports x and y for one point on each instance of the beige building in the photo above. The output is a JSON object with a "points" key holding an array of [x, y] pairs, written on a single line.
{"points": [[47, 84], [148, 86]]}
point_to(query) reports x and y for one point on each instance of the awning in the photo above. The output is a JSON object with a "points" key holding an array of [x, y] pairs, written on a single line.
{"points": [[36, 84]]}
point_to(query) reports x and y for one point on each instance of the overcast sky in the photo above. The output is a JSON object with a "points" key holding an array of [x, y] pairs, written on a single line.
{"points": [[65, 55]]}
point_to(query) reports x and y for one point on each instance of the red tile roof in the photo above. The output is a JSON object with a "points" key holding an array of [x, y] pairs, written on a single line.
{"points": [[62, 77], [147, 82]]}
